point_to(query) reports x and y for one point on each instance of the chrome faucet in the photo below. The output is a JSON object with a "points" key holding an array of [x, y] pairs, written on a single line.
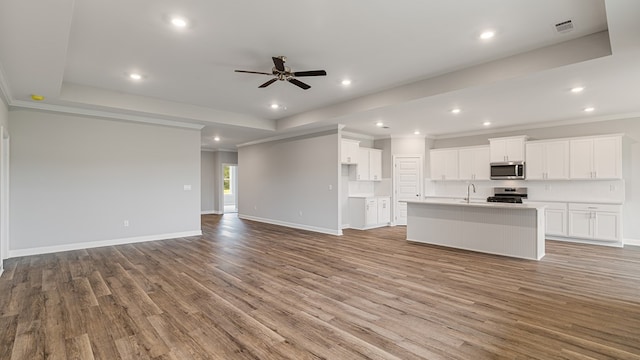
{"points": [[468, 191]]}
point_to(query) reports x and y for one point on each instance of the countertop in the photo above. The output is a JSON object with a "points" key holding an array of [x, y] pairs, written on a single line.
{"points": [[476, 203]]}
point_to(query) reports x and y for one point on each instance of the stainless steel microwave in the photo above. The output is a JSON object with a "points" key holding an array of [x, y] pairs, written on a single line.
{"points": [[511, 170]]}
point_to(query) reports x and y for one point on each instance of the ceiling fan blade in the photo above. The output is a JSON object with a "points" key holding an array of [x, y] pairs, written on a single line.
{"points": [[299, 84], [253, 72], [268, 83], [279, 63], [310, 73]]}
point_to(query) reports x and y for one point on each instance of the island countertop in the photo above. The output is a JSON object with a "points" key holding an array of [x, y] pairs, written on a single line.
{"points": [[478, 203]]}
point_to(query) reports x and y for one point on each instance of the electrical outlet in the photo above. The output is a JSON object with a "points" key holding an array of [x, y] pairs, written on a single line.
{"points": [[300, 212], [187, 188], [255, 207], [126, 223], [330, 187]]}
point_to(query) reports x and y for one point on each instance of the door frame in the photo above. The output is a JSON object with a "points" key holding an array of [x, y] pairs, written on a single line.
{"points": [[394, 191], [235, 186]]}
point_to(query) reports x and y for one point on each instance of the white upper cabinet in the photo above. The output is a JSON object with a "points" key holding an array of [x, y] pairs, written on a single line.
{"points": [[507, 149], [349, 151], [444, 164], [375, 164], [362, 169], [473, 163], [547, 160], [596, 158], [369, 166]]}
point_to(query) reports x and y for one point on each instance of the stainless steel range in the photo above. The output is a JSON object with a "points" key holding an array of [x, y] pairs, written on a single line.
{"points": [[508, 195]]}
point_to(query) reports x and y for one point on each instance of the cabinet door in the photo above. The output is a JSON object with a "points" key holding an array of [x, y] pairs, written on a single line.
{"points": [[481, 161], [451, 164], [466, 164], [444, 164], [375, 165], [607, 158], [498, 150], [581, 158], [371, 212], [384, 211], [535, 163], [362, 168], [606, 226], [514, 149], [349, 152], [556, 221], [556, 159], [580, 224]]}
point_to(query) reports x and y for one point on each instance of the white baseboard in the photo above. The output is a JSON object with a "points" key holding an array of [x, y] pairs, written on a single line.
{"points": [[292, 225], [346, 226], [632, 242], [584, 241], [95, 244], [211, 212]]}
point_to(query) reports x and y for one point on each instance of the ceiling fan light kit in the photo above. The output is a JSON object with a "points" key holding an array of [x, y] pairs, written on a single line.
{"points": [[284, 73]]}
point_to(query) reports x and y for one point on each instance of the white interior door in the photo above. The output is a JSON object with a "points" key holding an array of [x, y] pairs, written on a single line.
{"points": [[407, 185]]}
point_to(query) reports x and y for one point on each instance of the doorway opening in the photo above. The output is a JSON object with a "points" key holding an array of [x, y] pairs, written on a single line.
{"points": [[230, 188]]}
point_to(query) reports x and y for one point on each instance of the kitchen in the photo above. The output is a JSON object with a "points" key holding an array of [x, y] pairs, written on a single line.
{"points": [[579, 180]]}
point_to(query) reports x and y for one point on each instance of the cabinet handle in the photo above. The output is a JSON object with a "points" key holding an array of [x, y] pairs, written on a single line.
{"points": [[348, 159]]}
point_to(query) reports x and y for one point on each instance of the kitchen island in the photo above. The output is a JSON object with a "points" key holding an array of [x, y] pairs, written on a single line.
{"points": [[515, 230]]}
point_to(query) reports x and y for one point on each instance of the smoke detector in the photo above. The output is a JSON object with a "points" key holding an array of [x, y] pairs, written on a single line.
{"points": [[564, 27]]}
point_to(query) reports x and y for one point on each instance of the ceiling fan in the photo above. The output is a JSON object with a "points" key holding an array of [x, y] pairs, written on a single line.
{"points": [[284, 73]]}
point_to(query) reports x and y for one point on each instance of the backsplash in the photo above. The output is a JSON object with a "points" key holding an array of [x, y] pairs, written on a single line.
{"points": [[612, 191]]}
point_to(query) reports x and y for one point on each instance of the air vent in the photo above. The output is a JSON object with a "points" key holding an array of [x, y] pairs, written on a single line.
{"points": [[564, 27]]}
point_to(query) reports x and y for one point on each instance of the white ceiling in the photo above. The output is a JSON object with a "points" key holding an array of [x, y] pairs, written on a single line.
{"points": [[410, 62]]}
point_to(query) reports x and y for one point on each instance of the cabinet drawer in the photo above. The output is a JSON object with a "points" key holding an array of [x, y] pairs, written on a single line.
{"points": [[594, 207]]}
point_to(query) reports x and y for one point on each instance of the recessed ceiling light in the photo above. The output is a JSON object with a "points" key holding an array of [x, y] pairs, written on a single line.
{"points": [[589, 109], [179, 22], [455, 111], [487, 35], [379, 124], [217, 138], [416, 132], [346, 82], [275, 106], [135, 76], [577, 89], [486, 123]]}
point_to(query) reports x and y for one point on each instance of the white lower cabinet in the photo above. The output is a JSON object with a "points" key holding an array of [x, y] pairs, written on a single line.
{"points": [[369, 212], [581, 221], [556, 219], [595, 222]]}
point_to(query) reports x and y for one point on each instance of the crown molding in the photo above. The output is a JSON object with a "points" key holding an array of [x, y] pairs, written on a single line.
{"points": [[102, 114], [357, 136], [540, 125], [293, 134]]}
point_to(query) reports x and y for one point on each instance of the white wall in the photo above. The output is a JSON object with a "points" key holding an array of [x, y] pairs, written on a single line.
{"points": [[280, 180], [630, 157], [74, 180], [207, 181]]}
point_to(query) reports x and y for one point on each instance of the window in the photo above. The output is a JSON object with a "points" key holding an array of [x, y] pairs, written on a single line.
{"points": [[227, 180]]}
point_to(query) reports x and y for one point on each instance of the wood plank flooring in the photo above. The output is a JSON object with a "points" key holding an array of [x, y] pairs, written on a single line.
{"points": [[246, 290]]}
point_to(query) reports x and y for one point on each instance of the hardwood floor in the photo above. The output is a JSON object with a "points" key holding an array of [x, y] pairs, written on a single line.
{"points": [[246, 290]]}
